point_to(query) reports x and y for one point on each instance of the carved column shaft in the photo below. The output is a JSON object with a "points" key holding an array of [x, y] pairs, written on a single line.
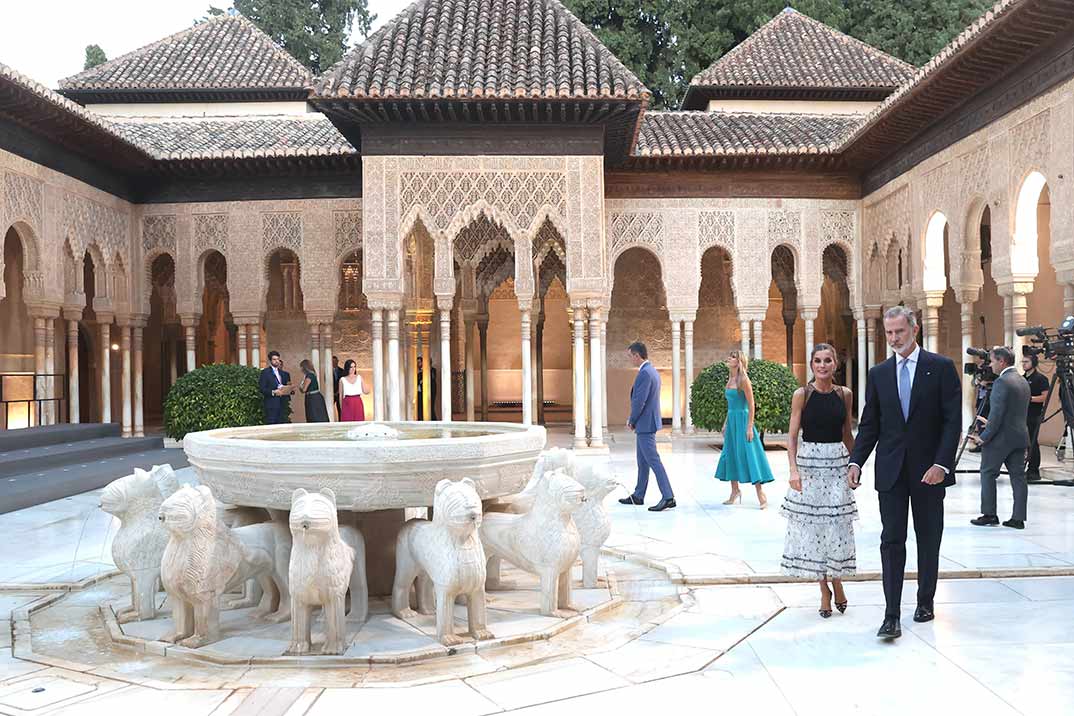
{"points": [[688, 338], [191, 347], [73, 406], [243, 357], [445, 364], [378, 363], [1019, 318], [328, 380], [51, 410], [468, 357], [527, 370], [870, 344], [969, 394], [125, 385], [807, 318], [395, 399], [482, 330], [744, 343], [604, 370], [315, 351], [255, 343], [539, 368], [758, 335], [579, 378], [676, 377], [863, 362], [595, 380], [139, 373], [37, 413], [106, 372]]}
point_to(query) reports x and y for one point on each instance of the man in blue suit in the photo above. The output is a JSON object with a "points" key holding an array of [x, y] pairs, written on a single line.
{"points": [[645, 421], [275, 384]]}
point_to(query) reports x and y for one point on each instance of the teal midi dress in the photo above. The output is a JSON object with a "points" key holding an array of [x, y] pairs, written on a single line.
{"points": [[741, 460]]}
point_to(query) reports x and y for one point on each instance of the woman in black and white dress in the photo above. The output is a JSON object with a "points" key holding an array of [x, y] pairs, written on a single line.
{"points": [[820, 507]]}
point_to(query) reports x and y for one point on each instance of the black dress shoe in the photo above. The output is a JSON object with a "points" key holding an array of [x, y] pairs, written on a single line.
{"points": [[665, 504], [890, 629], [1016, 524], [985, 521], [631, 500], [924, 614]]}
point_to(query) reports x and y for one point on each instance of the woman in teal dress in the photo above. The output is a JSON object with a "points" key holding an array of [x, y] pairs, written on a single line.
{"points": [[742, 458]]}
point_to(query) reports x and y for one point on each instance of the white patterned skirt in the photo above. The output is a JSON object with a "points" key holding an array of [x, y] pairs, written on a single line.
{"points": [[820, 518]]}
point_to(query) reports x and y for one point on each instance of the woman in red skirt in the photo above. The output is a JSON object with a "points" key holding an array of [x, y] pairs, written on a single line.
{"points": [[351, 390]]}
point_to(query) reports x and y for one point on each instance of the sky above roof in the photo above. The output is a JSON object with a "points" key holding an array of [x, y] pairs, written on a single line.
{"points": [[37, 45]]}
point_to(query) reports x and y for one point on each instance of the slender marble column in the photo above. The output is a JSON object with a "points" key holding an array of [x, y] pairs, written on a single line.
{"points": [[125, 386], [482, 330], [758, 333], [173, 361], [106, 373], [688, 336], [37, 413], [139, 371], [870, 343], [808, 317], [863, 364], [328, 381], [255, 342], [425, 351], [676, 377], [932, 328], [395, 401], [73, 406], [604, 369], [191, 346], [468, 343], [1008, 324], [1019, 319], [744, 343], [243, 357], [1068, 299], [579, 378], [969, 394], [595, 381], [445, 365], [51, 411], [378, 364], [539, 367], [527, 370], [315, 352]]}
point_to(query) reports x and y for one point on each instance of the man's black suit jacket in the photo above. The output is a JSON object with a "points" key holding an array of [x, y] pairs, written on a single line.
{"points": [[929, 436], [274, 404]]}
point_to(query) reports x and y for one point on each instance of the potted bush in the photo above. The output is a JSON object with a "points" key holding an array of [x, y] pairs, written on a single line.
{"points": [[773, 387], [214, 396]]}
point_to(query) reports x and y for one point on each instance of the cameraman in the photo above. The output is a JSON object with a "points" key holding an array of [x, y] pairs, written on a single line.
{"points": [[984, 385], [1004, 440], [1038, 389]]}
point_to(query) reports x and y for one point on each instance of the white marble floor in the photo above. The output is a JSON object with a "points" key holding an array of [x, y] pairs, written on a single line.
{"points": [[1001, 643]]}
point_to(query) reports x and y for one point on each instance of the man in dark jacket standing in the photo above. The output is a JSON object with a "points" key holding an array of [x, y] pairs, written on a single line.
{"points": [[912, 413], [276, 389]]}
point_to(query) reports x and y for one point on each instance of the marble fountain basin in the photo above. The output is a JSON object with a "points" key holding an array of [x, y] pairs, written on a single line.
{"points": [[260, 466]]}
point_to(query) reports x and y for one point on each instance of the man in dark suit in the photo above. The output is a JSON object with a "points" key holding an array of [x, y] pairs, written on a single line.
{"points": [[275, 384], [645, 422], [1038, 393], [1004, 440], [911, 416], [337, 375]]}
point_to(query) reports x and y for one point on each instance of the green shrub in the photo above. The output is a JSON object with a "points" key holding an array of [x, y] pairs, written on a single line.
{"points": [[773, 387], [214, 396]]}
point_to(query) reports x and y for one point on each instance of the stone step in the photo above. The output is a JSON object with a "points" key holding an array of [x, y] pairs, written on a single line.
{"points": [[46, 484], [80, 452], [55, 435]]}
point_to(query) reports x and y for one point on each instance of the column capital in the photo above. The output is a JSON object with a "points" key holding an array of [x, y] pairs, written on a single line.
{"points": [[1014, 286], [105, 319], [385, 300], [809, 313], [967, 295], [445, 302], [931, 299], [72, 313], [682, 314], [318, 317], [874, 312], [43, 309], [189, 320]]}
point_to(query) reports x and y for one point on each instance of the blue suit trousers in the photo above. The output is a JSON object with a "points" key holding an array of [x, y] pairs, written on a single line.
{"points": [[648, 458]]}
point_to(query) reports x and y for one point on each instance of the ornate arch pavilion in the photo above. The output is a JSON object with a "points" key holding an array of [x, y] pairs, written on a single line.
{"points": [[483, 185]]}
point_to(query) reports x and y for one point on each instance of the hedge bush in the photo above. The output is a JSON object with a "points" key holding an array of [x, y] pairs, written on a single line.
{"points": [[214, 396], [773, 387]]}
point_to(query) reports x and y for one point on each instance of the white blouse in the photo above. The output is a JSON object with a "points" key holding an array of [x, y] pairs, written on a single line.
{"points": [[354, 388]]}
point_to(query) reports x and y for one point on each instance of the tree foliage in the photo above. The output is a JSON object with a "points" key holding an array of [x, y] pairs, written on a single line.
{"points": [[666, 42], [773, 387], [214, 396], [314, 31], [94, 56]]}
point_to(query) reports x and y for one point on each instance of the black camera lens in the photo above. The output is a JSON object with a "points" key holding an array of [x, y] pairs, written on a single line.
{"points": [[977, 352]]}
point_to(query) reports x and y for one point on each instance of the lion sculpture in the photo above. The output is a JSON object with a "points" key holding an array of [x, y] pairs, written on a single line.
{"points": [[326, 560], [543, 541], [591, 519], [204, 559], [139, 545], [447, 558]]}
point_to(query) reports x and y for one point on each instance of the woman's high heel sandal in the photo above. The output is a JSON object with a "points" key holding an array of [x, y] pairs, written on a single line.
{"points": [[825, 612], [737, 497], [842, 607]]}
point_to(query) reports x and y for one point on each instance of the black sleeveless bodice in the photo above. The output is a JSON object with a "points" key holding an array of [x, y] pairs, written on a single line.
{"points": [[823, 418]]}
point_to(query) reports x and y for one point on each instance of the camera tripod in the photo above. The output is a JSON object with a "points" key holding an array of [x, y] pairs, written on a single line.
{"points": [[972, 430], [1065, 380]]}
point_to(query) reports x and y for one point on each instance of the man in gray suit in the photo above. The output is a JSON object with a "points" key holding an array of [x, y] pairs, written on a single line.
{"points": [[1004, 440]]}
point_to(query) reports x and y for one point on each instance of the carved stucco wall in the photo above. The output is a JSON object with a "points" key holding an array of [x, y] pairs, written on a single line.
{"points": [[988, 166]]}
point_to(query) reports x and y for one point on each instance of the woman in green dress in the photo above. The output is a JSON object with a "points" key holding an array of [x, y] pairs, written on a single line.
{"points": [[742, 458], [316, 410]]}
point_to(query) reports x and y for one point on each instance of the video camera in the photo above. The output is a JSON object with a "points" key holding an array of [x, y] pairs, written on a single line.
{"points": [[1057, 345], [980, 373]]}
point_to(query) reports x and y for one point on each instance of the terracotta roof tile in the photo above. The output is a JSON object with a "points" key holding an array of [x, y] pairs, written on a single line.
{"points": [[228, 52], [686, 134], [234, 137], [503, 49], [793, 50]]}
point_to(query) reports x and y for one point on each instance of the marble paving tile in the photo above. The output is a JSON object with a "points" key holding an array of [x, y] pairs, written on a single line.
{"points": [[640, 661], [1043, 589], [1015, 561], [540, 683], [137, 699], [948, 591], [820, 664], [12, 668], [1025, 623], [1033, 678], [50, 688], [384, 634], [704, 631], [736, 601], [450, 698]]}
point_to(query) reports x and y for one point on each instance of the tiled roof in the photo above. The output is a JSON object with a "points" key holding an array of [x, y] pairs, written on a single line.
{"points": [[504, 49], [795, 51], [178, 138], [225, 53], [690, 134], [60, 104]]}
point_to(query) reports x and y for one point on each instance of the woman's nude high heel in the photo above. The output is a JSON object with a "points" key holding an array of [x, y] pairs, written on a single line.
{"points": [[737, 497]]}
